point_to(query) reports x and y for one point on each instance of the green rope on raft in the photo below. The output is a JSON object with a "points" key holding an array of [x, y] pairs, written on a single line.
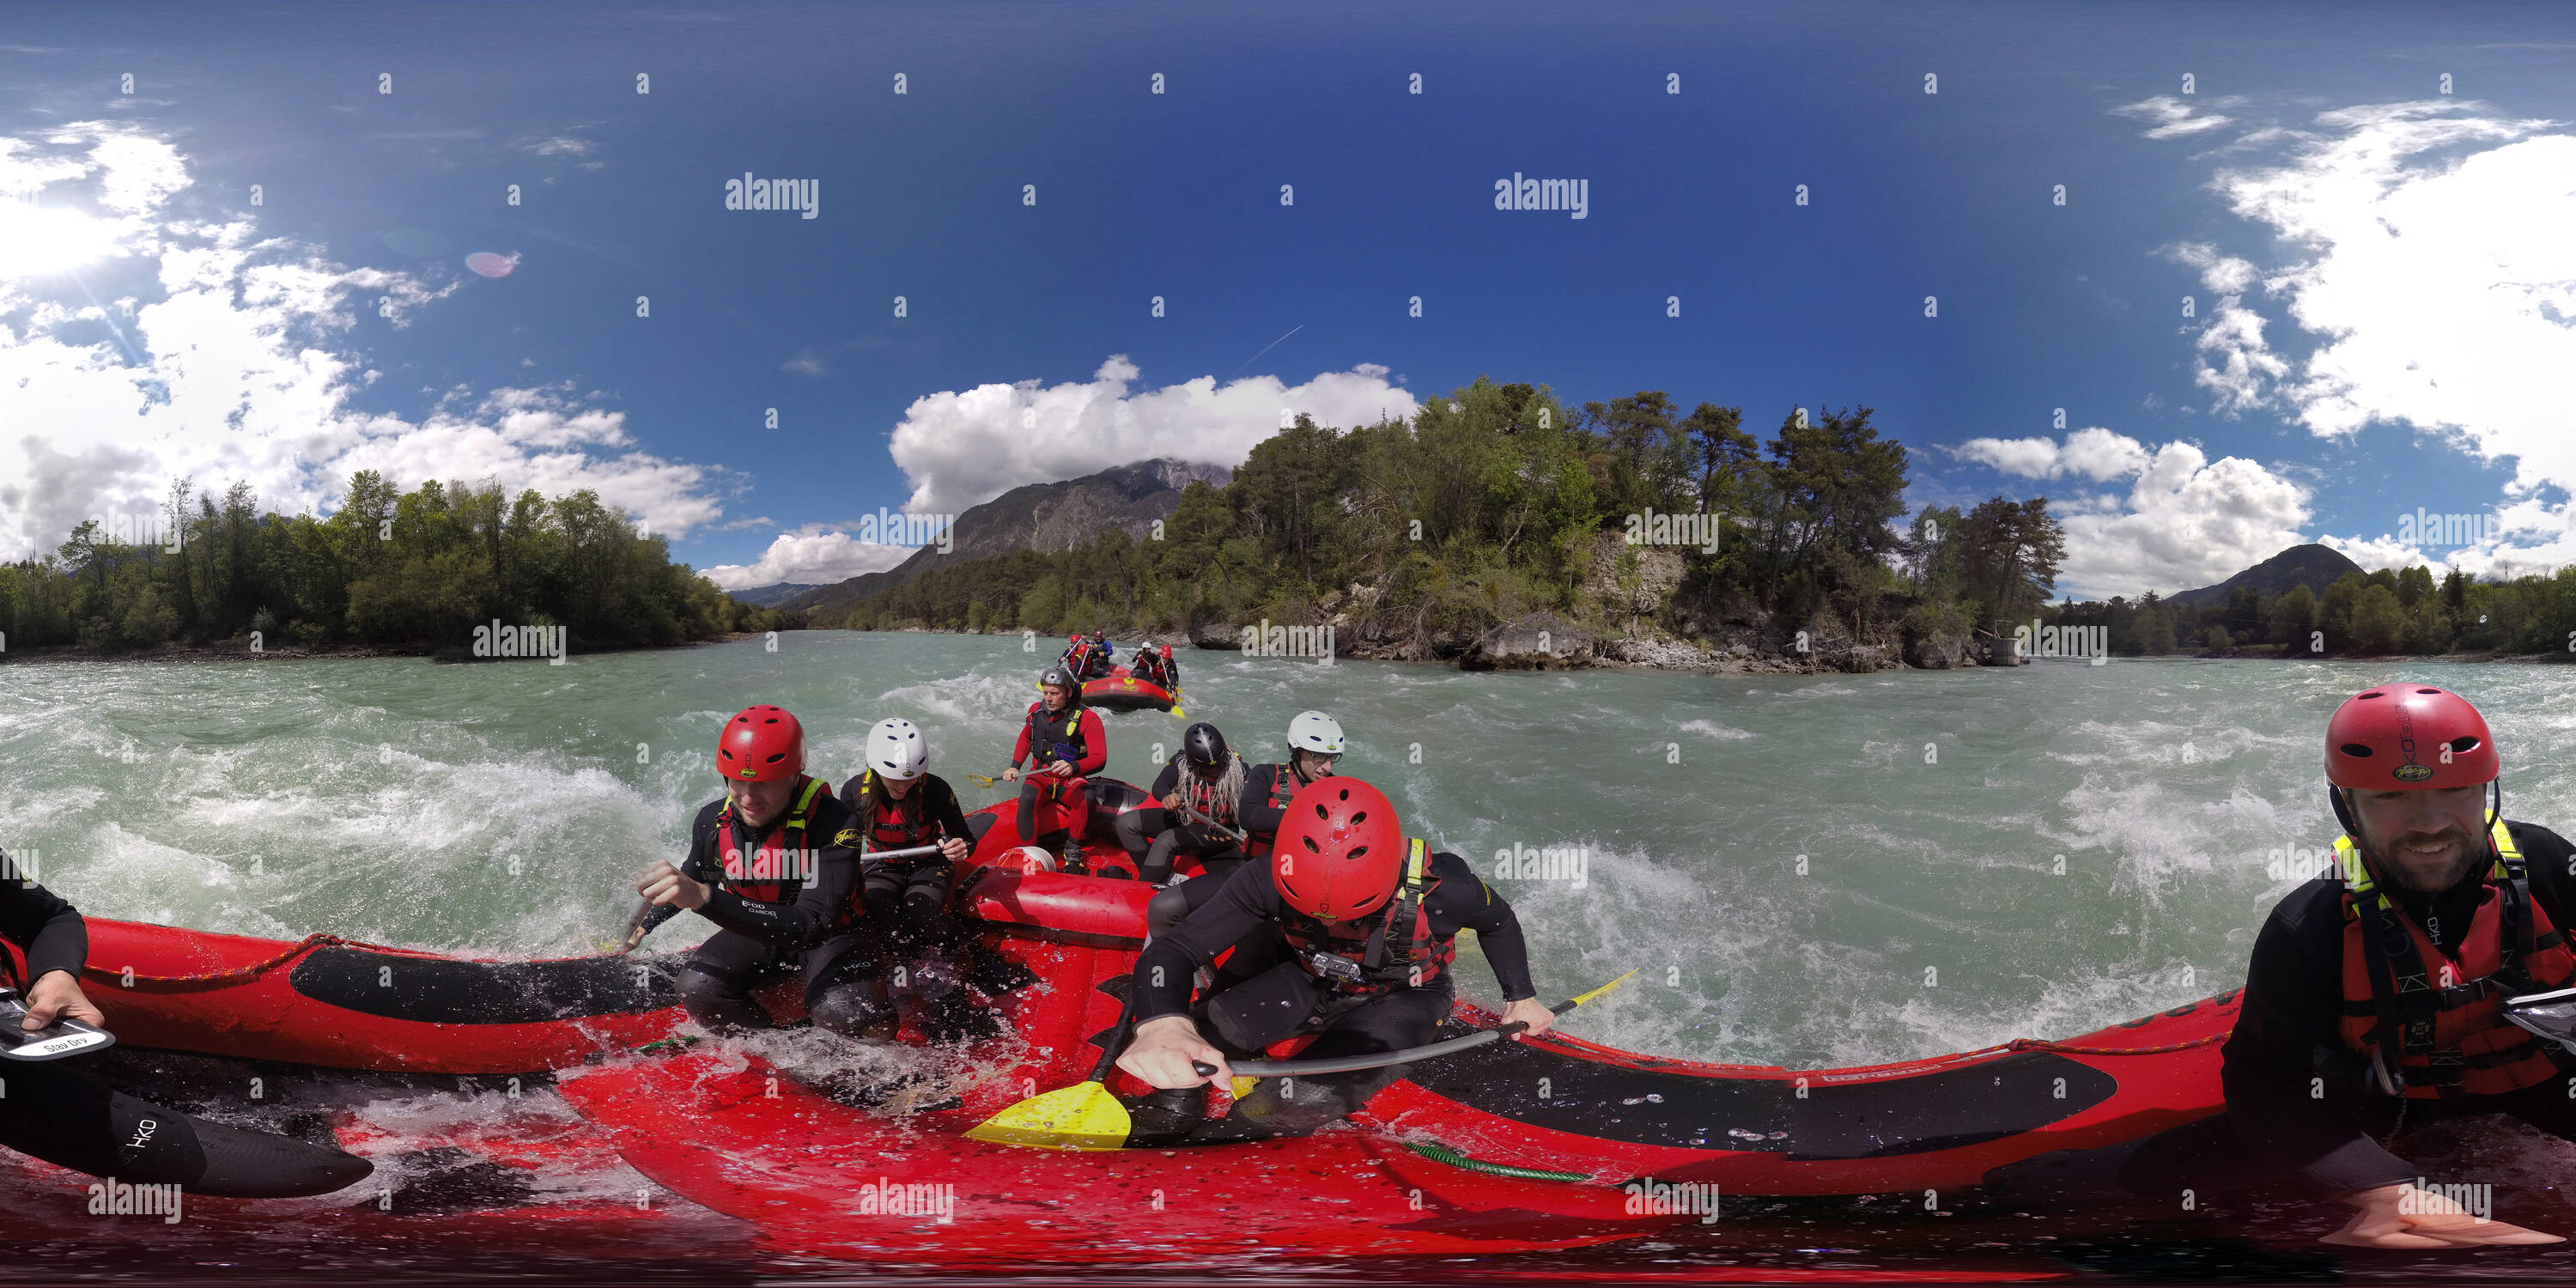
{"points": [[1443, 1154], [677, 1042]]}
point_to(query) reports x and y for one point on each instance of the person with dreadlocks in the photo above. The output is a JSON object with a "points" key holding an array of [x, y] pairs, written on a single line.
{"points": [[1199, 790], [2375, 1002]]}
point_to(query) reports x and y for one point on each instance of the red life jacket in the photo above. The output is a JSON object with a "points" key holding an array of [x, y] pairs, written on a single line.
{"points": [[1202, 796], [1384, 953], [2453, 1039], [1050, 734], [1283, 788], [775, 869], [890, 826]]}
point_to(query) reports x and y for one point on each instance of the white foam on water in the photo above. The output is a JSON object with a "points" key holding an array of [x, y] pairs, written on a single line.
{"points": [[1714, 731]]}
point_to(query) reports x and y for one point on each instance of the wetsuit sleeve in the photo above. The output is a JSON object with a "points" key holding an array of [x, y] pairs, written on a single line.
{"points": [[951, 815], [1464, 900], [44, 926], [699, 865], [1095, 744], [1254, 810], [1168, 781], [2290, 1113], [2550, 863], [1020, 749], [1248, 905]]}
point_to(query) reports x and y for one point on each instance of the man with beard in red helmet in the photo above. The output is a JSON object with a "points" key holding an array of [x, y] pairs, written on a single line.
{"points": [[771, 863], [2374, 1000], [1367, 922]]}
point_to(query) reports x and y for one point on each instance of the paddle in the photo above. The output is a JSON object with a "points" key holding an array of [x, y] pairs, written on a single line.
{"points": [[1381, 1059], [1087, 1117], [65, 1036], [635, 924], [1084, 1116]]}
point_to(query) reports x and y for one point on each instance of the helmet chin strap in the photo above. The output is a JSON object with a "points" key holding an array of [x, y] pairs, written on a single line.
{"points": [[2495, 811]]}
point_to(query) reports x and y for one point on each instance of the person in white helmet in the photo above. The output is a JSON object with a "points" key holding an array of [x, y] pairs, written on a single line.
{"points": [[899, 804]]}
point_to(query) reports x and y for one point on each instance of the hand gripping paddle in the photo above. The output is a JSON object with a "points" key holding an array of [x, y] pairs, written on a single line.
{"points": [[63, 1037], [1086, 1117]]}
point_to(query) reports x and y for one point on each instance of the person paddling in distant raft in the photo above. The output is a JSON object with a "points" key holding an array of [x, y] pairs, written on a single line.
{"points": [[1063, 742], [2374, 1002], [901, 806], [770, 863], [1199, 791], [1368, 921], [1155, 667]]}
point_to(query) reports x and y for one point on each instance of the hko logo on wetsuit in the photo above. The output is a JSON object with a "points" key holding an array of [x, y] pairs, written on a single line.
{"points": [[772, 870], [2453, 1039], [1353, 960]]}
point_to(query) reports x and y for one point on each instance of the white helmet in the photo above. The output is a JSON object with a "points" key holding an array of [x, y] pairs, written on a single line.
{"points": [[896, 750], [1315, 731]]}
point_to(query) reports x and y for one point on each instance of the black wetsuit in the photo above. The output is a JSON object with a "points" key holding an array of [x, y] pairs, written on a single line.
{"points": [[906, 896], [811, 928], [2297, 1108], [1153, 838], [1285, 999], [57, 1111]]}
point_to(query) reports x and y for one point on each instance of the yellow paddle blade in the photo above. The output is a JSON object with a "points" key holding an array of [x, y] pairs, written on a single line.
{"points": [[1605, 988], [1084, 1117], [1243, 1086], [1176, 710]]}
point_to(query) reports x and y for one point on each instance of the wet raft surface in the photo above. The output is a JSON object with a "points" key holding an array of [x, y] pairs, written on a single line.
{"points": [[477, 1184]]}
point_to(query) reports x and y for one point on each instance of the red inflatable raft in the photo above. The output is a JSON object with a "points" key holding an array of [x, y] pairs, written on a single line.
{"points": [[1123, 690], [1555, 1107]]}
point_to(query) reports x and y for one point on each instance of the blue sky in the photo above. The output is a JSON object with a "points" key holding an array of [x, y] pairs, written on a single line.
{"points": [[2382, 283]]}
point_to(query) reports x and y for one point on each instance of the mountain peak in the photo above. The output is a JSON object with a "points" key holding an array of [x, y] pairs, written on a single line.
{"points": [[2313, 566]]}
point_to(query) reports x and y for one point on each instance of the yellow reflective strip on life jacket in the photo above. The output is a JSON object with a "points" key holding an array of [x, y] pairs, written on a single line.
{"points": [[804, 804], [1414, 850]]}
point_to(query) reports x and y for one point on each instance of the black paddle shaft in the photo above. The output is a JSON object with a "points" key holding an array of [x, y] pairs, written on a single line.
{"points": [[1370, 1059]]}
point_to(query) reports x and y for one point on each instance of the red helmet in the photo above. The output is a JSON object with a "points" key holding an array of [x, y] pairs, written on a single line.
{"points": [[2409, 735], [762, 744], [1339, 850]]}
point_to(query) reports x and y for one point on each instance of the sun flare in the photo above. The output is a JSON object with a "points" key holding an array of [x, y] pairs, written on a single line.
{"points": [[37, 241]]}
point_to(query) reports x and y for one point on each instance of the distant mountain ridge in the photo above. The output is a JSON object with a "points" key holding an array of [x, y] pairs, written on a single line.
{"points": [[773, 594], [2313, 566], [1045, 517]]}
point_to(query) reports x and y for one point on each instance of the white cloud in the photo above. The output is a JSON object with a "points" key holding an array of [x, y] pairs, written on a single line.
{"points": [[560, 146], [2170, 117], [237, 360], [961, 448], [813, 555], [2437, 273], [2097, 454], [2186, 522]]}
